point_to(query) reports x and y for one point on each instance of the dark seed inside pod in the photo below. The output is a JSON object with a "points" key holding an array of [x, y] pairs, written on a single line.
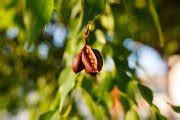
{"points": [[77, 64], [99, 59]]}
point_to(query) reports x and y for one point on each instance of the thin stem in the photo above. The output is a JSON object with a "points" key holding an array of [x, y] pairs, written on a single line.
{"points": [[129, 17], [86, 32], [156, 22]]}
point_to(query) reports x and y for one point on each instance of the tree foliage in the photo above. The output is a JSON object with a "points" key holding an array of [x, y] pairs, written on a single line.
{"points": [[36, 71]]}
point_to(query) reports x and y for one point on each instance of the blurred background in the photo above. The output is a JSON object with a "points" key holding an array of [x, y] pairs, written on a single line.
{"points": [[129, 34]]}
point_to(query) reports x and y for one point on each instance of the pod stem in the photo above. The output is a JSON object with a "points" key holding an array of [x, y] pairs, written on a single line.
{"points": [[86, 32]]}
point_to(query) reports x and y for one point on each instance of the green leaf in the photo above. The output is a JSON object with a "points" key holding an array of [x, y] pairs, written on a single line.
{"points": [[37, 15], [64, 11], [131, 90], [56, 116], [46, 115], [131, 115], [65, 8], [157, 114], [50, 115], [87, 98], [91, 8], [146, 93], [175, 108], [125, 101], [67, 82]]}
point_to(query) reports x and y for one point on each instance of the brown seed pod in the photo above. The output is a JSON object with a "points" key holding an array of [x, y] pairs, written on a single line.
{"points": [[89, 59], [77, 64], [99, 61], [92, 60]]}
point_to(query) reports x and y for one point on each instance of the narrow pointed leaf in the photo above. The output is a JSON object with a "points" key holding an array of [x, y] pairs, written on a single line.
{"points": [[157, 114], [175, 108], [146, 93]]}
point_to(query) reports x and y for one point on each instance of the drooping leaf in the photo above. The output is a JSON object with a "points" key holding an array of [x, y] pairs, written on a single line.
{"points": [[125, 101], [91, 8], [121, 63], [50, 115], [131, 90], [175, 108], [131, 115], [146, 93], [97, 111], [67, 82], [38, 13], [157, 114], [65, 11], [65, 8], [46, 116], [56, 115]]}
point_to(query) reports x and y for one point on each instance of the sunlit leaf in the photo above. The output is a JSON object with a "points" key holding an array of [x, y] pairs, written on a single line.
{"points": [[46, 116], [131, 90], [88, 99], [146, 93], [91, 104], [55, 116], [50, 115], [131, 115], [67, 82]]}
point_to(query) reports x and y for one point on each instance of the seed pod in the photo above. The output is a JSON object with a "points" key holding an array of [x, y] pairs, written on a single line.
{"points": [[89, 59], [99, 61], [77, 64], [92, 60]]}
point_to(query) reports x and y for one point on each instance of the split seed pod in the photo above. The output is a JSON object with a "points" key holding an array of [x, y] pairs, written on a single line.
{"points": [[88, 59], [77, 65]]}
